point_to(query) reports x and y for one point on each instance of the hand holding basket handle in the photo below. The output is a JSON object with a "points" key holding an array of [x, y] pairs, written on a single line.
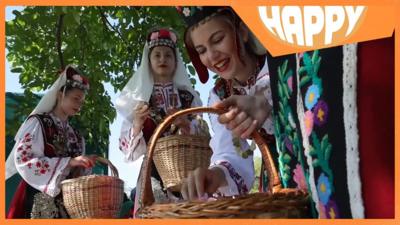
{"points": [[147, 197]]}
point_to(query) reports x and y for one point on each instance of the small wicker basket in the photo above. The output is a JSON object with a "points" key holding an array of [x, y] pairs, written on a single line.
{"points": [[94, 196], [176, 155], [278, 202]]}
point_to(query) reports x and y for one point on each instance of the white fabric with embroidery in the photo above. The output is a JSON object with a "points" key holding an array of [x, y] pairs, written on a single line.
{"points": [[351, 131], [222, 145], [45, 105], [138, 90], [41, 172]]}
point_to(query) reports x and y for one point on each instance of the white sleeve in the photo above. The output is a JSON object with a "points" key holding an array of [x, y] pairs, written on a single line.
{"points": [[132, 146], [41, 172], [239, 172]]}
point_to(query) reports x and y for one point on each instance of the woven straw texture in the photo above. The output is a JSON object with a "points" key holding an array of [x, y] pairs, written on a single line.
{"points": [[176, 155], [278, 202], [94, 196]]}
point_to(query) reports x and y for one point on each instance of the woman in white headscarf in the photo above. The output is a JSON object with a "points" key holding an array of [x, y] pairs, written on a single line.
{"points": [[49, 150], [159, 87]]}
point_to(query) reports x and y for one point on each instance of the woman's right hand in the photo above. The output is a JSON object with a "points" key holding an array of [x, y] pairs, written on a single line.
{"points": [[201, 181], [86, 161], [141, 113]]}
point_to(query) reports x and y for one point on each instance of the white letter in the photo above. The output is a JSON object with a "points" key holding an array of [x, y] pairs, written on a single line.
{"points": [[331, 25], [274, 22], [293, 29], [311, 28], [353, 16]]}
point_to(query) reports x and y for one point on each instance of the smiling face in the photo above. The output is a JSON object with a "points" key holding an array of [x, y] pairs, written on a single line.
{"points": [[163, 63], [214, 41]]}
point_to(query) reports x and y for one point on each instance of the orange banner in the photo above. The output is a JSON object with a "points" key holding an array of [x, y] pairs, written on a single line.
{"points": [[285, 29]]}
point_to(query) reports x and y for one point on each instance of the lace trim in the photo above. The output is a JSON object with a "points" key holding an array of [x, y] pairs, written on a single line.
{"points": [[351, 131]]}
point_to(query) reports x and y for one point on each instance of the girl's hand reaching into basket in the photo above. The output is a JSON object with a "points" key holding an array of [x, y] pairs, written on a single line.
{"points": [[86, 161]]}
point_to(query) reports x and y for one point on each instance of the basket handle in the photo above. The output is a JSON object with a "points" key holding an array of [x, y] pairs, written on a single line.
{"points": [[147, 197], [114, 171]]}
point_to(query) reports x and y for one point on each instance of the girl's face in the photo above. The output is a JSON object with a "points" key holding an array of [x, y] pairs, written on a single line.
{"points": [[163, 63], [72, 101], [214, 41]]}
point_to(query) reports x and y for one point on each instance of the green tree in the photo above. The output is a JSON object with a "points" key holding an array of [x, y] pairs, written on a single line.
{"points": [[105, 42]]}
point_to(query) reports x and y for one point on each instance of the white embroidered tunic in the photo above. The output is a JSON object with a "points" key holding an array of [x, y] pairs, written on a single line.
{"points": [[239, 171], [39, 171]]}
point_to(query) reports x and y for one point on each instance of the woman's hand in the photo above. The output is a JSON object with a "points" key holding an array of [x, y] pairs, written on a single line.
{"points": [[141, 113], [246, 113], [201, 181], [182, 122], [86, 161]]}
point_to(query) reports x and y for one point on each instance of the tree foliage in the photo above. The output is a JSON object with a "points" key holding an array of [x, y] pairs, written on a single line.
{"points": [[105, 42]]}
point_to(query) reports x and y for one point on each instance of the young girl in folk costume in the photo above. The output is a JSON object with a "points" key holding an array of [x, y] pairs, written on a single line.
{"points": [[216, 39], [159, 87], [48, 150]]}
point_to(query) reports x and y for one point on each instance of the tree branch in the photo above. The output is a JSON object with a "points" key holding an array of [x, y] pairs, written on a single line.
{"points": [[58, 37], [109, 26]]}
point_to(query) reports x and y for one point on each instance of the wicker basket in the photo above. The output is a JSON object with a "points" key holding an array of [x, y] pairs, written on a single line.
{"points": [[278, 202], [94, 196], [176, 155]]}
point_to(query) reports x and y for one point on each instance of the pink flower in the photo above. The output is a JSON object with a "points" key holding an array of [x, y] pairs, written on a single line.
{"points": [[154, 36], [299, 178], [186, 11], [322, 212], [290, 83], [309, 122], [77, 77]]}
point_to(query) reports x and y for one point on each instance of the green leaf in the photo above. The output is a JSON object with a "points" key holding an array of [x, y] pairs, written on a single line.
{"points": [[328, 151], [192, 71], [315, 163], [16, 70], [304, 80], [193, 81], [284, 66], [286, 158]]}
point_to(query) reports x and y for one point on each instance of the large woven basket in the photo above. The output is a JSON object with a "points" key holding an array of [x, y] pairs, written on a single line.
{"points": [[278, 202], [176, 155], [94, 196]]}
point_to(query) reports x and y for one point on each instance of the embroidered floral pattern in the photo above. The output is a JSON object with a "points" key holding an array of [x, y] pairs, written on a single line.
{"points": [[312, 96], [324, 189], [320, 147], [24, 149], [42, 167], [320, 113], [299, 178], [285, 131], [241, 186], [309, 122], [331, 210]]}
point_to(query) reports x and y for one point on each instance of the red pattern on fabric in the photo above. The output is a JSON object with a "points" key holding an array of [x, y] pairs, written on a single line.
{"points": [[375, 102]]}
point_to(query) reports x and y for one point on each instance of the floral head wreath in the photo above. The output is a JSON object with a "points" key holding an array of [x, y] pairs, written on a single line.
{"points": [[76, 80], [162, 37]]}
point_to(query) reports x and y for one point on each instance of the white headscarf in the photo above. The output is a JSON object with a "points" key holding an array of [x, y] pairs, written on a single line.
{"points": [[45, 105], [140, 87]]}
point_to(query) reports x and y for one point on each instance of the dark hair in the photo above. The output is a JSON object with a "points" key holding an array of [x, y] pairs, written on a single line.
{"points": [[70, 83], [234, 20]]}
